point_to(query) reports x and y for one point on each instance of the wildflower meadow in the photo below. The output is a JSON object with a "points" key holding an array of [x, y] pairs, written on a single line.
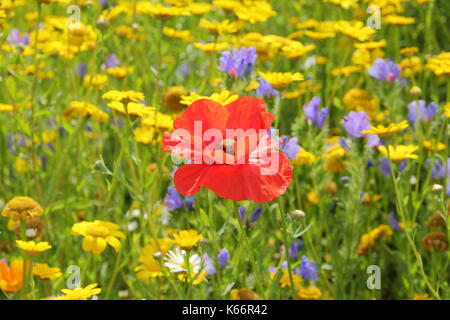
{"points": [[224, 150]]}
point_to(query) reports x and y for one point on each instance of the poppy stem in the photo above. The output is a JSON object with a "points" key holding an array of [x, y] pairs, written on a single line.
{"points": [[286, 243]]}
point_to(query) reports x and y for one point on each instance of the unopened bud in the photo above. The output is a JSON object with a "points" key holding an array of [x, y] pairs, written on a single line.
{"points": [[437, 188], [102, 23], [297, 214], [415, 91]]}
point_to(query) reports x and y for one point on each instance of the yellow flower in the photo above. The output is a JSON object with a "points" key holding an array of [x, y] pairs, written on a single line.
{"points": [[119, 72], [296, 50], [21, 165], [361, 100], [43, 271], [254, 11], [304, 157], [6, 107], [84, 109], [160, 11], [123, 96], [409, 50], [98, 234], [398, 20], [312, 197], [440, 64], [447, 110], [32, 247], [187, 239], [185, 35], [285, 281], [212, 47], [280, 80], [399, 153], [150, 267], [368, 240], [411, 66], [223, 98], [433, 145], [308, 293], [421, 296], [222, 27], [345, 4], [199, 8], [97, 81], [79, 293], [346, 70], [20, 208], [355, 30], [383, 131], [132, 108]]}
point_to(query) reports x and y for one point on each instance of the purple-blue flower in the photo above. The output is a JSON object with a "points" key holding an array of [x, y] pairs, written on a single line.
{"points": [[241, 210], [385, 167], [173, 199], [208, 265], [418, 111], [80, 69], [309, 269], [112, 61], [295, 248], [239, 62], [14, 38], [385, 70], [265, 89], [393, 222], [223, 257], [256, 214], [314, 113], [355, 122], [189, 202], [290, 147]]}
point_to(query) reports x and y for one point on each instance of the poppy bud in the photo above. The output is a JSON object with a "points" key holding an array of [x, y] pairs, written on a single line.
{"points": [[297, 214]]}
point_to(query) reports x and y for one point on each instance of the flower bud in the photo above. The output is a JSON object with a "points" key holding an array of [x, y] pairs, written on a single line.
{"points": [[437, 188], [415, 91], [297, 214]]}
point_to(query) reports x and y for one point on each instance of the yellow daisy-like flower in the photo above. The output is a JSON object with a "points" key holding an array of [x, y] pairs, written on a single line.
{"points": [[132, 108], [85, 109], [308, 293], [32, 247], [199, 8], [433, 145], [421, 296], [212, 47], [119, 72], [123, 96], [98, 234], [43, 271], [368, 240], [296, 50], [280, 80], [79, 293], [312, 197], [187, 239], [304, 157], [383, 131], [223, 98], [440, 64], [398, 20], [344, 4], [355, 30], [399, 153], [221, 28], [254, 11], [160, 11], [6, 107], [185, 35], [447, 110], [96, 81], [150, 267], [20, 208]]}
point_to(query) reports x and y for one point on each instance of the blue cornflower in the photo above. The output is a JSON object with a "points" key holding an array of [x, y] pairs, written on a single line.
{"points": [[173, 199], [239, 62], [418, 111], [223, 257], [385, 70], [265, 89], [314, 113], [309, 269]]}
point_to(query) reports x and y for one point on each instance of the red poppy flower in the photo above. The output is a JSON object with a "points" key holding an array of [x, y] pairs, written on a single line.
{"points": [[230, 151]]}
